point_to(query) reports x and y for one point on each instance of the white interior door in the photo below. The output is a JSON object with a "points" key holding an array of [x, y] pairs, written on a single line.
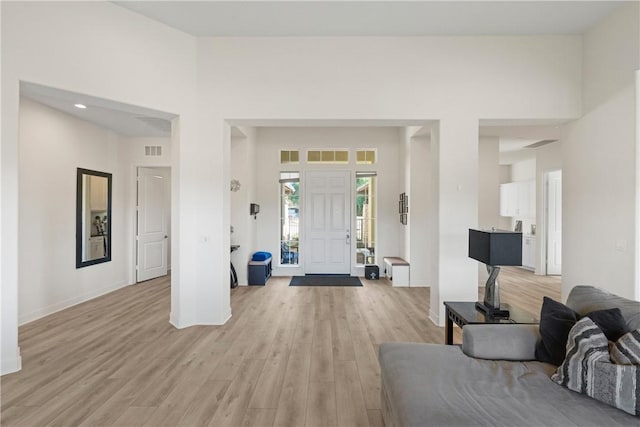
{"points": [[152, 234], [554, 222], [327, 217]]}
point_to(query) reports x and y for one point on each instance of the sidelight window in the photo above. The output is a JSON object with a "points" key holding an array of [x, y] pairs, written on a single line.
{"points": [[365, 218], [289, 217]]}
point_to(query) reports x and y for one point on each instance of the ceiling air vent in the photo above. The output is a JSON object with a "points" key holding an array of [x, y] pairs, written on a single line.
{"points": [[541, 143], [153, 150]]}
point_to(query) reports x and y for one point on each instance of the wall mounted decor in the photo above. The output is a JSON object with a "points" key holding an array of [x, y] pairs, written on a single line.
{"points": [[254, 209], [93, 217], [403, 208]]}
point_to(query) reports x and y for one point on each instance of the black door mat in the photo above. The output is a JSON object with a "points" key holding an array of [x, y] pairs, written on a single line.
{"points": [[325, 280]]}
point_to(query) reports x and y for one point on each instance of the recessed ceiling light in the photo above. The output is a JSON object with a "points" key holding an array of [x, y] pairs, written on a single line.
{"points": [[81, 106]]}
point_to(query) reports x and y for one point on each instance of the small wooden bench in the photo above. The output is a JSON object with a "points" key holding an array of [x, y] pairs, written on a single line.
{"points": [[396, 270], [259, 272]]}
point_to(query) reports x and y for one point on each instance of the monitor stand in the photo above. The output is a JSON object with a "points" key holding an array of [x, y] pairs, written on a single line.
{"points": [[502, 311]]}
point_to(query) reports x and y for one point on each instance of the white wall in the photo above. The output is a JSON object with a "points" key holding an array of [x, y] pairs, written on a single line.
{"points": [[433, 224], [121, 56], [488, 182], [243, 161], [131, 156], [456, 80], [457, 196], [523, 170], [265, 80], [52, 146], [415, 169], [488, 190], [418, 217], [387, 142], [405, 169], [505, 177], [599, 171], [548, 158]]}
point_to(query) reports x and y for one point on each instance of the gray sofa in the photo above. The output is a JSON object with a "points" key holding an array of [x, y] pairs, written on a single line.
{"points": [[492, 379]]}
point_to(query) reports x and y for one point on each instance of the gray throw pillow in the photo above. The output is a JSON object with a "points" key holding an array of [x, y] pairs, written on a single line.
{"points": [[626, 351], [587, 369]]}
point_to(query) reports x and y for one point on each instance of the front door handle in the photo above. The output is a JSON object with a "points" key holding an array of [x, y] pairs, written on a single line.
{"points": [[348, 240]]}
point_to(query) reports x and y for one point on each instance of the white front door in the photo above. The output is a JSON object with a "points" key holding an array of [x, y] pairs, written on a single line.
{"points": [[554, 222], [327, 217], [152, 234]]}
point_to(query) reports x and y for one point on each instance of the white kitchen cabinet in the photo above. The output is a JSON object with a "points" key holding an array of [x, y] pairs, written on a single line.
{"points": [[529, 252], [508, 199], [517, 199]]}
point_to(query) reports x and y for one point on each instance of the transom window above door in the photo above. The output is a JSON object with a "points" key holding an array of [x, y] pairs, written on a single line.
{"points": [[289, 156], [328, 156], [366, 156]]}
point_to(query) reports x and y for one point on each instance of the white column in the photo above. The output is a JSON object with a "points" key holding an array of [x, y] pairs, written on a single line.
{"points": [[200, 288], [456, 139], [489, 189], [243, 169], [418, 209], [11, 360], [405, 186], [637, 248]]}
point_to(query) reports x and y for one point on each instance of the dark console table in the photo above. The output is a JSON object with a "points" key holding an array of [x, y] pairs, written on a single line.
{"points": [[465, 313]]}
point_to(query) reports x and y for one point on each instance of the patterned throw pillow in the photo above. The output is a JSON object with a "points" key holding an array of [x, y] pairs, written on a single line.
{"points": [[626, 351], [587, 369], [586, 345]]}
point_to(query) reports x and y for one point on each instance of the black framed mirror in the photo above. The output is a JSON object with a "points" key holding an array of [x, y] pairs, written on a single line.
{"points": [[93, 217]]}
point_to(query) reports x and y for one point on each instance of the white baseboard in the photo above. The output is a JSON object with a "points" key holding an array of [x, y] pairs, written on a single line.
{"points": [[435, 318], [54, 308], [173, 320], [227, 317], [11, 365], [176, 324]]}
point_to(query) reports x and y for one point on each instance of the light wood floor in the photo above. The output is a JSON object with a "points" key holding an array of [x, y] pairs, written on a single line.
{"points": [[289, 356]]}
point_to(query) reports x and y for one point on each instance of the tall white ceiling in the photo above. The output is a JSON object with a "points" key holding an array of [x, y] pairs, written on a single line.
{"points": [[374, 18]]}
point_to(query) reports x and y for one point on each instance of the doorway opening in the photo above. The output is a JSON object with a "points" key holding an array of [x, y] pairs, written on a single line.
{"points": [[153, 222]]}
